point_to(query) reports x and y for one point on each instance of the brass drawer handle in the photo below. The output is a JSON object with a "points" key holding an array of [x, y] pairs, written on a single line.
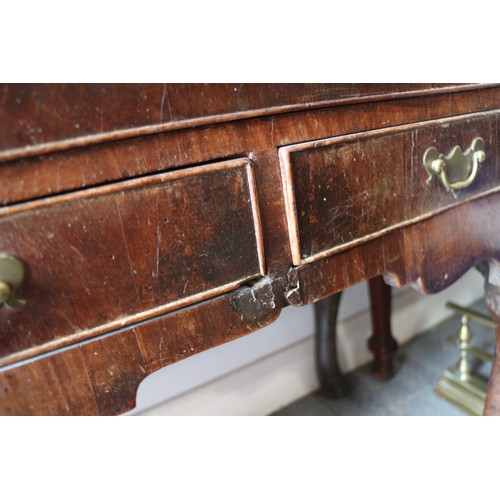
{"points": [[11, 279], [457, 170]]}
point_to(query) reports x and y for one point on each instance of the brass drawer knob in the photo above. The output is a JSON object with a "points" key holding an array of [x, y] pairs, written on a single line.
{"points": [[458, 169], [11, 279]]}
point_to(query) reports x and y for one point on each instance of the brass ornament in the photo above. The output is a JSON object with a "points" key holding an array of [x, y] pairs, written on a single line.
{"points": [[11, 278], [458, 169]]}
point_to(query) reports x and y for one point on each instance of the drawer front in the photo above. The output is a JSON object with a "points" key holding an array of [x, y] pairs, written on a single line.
{"points": [[100, 259], [342, 191]]}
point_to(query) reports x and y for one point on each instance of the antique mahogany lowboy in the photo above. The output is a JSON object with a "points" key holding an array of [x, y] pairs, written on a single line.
{"points": [[140, 224]]}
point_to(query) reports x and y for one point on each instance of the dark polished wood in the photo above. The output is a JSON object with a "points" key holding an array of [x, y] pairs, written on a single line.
{"points": [[95, 159], [128, 251], [336, 206], [274, 195], [382, 344], [49, 117], [101, 376], [332, 382]]}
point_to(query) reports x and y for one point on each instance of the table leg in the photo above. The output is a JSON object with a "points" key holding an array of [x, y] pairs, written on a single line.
{"points": [[381, 343], [492, 294], [332, 382]]}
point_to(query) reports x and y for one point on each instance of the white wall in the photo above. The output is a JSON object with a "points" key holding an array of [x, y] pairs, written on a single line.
{"points": [[261, 372]]}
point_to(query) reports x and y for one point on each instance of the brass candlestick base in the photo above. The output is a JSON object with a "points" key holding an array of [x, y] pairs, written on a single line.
{"points": [[458, 384], [468, 395]]}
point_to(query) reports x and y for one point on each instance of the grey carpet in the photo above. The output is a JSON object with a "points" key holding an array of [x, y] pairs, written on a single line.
{"points": [[419, 363]]}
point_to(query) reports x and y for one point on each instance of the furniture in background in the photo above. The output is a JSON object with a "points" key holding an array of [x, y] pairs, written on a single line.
{"points": [[141, 224], [465, 384], [381, 343]]}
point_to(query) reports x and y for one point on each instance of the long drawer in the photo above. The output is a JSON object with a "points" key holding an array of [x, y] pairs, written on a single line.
{"points": [[103, 258], [345, 190]]}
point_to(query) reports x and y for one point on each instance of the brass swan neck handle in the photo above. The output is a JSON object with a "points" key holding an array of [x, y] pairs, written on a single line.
{"points": [[12, 274], [458, 169]]}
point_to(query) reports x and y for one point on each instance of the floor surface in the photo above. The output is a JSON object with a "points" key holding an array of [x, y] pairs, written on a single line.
{"points": [[420, 363]]}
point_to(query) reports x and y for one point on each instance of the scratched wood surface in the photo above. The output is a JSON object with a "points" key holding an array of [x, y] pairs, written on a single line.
{"points": [[67, 170], [431, 254], [239, 221], [117, 255], [346, 189], [38, 114], [102, 377]]}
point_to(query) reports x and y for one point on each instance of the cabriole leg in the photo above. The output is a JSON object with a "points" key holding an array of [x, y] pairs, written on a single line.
{"points": [[332, 382]]}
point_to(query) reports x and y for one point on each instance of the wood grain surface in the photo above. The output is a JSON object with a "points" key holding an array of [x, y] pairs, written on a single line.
{"points": [[120, 254], [43, 118], [153, 221], [59, 170], [343, 190], [101, 377]]}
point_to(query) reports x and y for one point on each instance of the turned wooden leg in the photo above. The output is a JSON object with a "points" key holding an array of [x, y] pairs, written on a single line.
{"points": [[492, 294], [332, 382], [381, 343]]}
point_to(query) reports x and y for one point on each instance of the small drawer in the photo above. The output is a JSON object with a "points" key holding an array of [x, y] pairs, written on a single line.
{"points": [[345, 190], [103, 258]]}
